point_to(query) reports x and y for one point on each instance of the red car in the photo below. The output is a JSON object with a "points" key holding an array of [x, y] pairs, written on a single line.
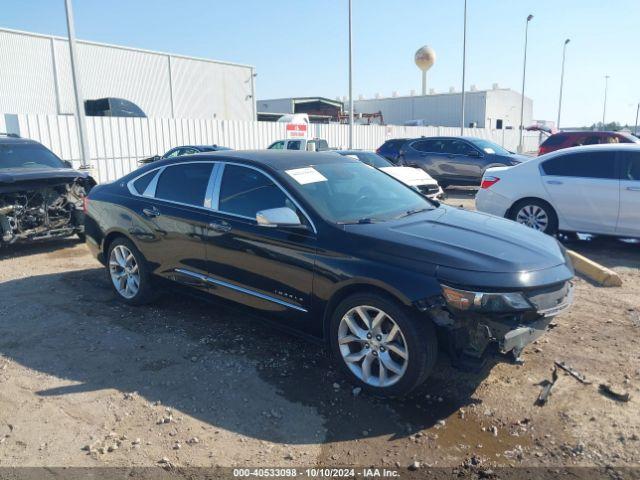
{"points": [[575, 139]]}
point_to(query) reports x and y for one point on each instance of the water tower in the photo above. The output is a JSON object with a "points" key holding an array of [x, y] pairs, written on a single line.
{"points": [[425, 57]]}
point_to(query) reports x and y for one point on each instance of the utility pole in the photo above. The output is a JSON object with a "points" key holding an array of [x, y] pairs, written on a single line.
{"points": [[464, 65], [350, 81], [524, 74], [604, 107], [80, 118], [636, 127], [564, 52]]}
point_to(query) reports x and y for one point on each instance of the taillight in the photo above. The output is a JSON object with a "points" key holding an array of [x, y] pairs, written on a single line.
{"points": [[542, 150], [85, 204], [489, 181]]}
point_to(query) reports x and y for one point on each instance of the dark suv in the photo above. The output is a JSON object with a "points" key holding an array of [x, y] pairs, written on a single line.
{"points": [[329, 246], [561, 140], [456, 160], [391, 149]]}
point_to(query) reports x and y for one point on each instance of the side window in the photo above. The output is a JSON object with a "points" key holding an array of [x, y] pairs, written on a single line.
{"points": [[245, 191], [294, 145], [460, 148], [172, 153], [448, 147], [188, 151], [277, 146], [186, 183], [630, 166], [141, 184], [585, 164], [431, 146]]}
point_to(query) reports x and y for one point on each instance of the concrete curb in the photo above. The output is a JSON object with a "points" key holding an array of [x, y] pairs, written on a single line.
{"points": [[594, 271]]}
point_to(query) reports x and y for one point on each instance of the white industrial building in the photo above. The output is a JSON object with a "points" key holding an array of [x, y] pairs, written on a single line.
{"points": [[35, 77], [494, 109]]}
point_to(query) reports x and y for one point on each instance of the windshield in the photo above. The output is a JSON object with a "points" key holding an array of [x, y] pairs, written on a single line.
{"points": [[370, 158], [489, 147], [355, 193], [27, 155]]}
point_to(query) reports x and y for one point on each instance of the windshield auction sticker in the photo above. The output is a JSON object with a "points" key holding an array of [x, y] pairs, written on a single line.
{"points": [[306, 175]]}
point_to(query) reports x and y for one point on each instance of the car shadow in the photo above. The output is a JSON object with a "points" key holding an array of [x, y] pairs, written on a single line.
{"points": [[210, 360], [23, 249]]}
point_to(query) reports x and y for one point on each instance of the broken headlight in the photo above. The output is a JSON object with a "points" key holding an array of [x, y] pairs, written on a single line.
{"points": [[485, 301]]}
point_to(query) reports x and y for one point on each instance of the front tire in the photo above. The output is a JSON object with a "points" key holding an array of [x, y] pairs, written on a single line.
{"points": [[536, 214], [129, 273], [380, 346]]}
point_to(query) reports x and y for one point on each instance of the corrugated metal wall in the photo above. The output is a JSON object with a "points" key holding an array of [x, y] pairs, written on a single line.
{"points": [[35, 77], [116, 144]]}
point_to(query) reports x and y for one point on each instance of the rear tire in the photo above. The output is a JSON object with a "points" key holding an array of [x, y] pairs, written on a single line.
{"points": [[536, 214], [385, 350], [129, 273]]}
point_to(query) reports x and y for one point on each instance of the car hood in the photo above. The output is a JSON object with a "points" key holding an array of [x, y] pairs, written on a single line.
{"points": [[13, 175], [464, 240], [410, 176], [519, 158]]}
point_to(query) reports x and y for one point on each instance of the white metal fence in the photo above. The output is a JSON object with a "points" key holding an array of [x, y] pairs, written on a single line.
{"points": [[116, 144]]}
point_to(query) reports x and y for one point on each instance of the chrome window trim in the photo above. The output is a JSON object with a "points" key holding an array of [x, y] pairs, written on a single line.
{"points": [[237, 288], [266, 174], [215, 182]]}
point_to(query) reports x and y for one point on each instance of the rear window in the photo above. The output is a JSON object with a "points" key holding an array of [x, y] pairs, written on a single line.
{"points": [[392, 145], [583, 164], [186, 183], [554, 140]]}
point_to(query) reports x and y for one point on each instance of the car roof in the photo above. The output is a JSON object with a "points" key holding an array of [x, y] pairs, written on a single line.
{"points": [[600, 147], [10, 139], [277, 160]]}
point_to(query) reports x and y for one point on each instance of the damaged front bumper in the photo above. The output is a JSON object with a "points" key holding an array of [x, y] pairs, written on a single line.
{"points": [[471, 333]]}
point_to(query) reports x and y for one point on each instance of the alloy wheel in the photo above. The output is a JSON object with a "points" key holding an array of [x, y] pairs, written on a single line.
{"points": [[124, 271], [373, 346], [533, 216]]}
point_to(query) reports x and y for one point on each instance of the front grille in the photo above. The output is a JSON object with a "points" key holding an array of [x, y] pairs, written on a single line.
{"points": [[551, 300], [428, 189]]}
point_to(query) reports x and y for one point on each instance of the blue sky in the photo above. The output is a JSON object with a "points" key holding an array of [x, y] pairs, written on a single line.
{"points": [[299, 46]]}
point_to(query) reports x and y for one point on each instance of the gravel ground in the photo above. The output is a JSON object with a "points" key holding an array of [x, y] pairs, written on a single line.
{"points": [[87, 381]]}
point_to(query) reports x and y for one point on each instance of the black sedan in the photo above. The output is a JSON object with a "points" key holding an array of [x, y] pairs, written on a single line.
{"points": [[335, 249], [455, 160], [184, 150]]}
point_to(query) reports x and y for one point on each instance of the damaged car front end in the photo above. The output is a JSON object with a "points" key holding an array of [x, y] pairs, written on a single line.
{"points": [[40, 195]]}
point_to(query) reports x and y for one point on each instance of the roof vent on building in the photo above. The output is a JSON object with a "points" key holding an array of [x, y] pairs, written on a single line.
{"points": [[452, 89], [473, 88], [495, 86]]}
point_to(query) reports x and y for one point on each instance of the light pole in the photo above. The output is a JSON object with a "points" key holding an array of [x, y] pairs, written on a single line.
{"points": [[635, 129], [350, 82], [82, 127], [464, 65], [564, 53], [604, 107], [524, 74]]}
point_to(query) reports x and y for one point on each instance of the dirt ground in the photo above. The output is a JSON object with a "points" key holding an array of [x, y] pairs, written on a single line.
{"points": [[87, 381]]}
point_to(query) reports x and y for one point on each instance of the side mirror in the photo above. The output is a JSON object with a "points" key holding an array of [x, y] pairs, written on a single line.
{"points": [[67, 163], [144, 161], [278, 217]]}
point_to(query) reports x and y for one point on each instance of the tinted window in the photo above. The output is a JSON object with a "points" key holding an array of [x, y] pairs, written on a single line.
{"points": [[184, 183], [630, 166], [459, 147], [172, 153], [294, 145], [188, 151], [432, 146], [586, 164], [27, 155], [245, 191], [392, 145], [277, 146], [141, 184], [554, 140]]}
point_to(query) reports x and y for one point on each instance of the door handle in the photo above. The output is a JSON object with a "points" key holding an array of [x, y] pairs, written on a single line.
{"points": [[554, 182], [634, 189], [220, 227], [151, 212]]}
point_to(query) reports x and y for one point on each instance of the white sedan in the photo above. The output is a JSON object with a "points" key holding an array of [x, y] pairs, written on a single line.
{"points": [[591, 189], [414, 177]]}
